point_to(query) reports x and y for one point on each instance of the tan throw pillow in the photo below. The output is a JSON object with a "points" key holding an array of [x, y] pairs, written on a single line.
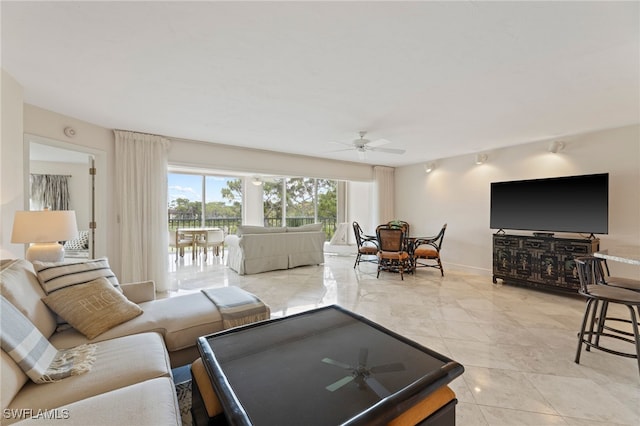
{"points": [[56, 276], [92, 308]]}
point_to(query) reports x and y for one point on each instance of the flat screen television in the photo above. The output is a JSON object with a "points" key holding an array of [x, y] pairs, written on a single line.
{"points": [[577, 204]]}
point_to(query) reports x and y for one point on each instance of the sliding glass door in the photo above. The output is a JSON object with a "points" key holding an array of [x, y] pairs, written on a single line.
{"points": [[197, 200], [300, 201]]}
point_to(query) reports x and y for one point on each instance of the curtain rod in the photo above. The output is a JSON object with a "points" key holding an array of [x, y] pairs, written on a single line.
{"points": [[48, 174], [140, 133]]}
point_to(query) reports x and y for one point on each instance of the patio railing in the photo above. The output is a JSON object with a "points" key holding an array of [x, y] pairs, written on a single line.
{"points": [[230, 224]]}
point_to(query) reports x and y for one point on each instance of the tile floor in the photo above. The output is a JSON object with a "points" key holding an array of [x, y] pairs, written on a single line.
{"points": [[517, 345]]}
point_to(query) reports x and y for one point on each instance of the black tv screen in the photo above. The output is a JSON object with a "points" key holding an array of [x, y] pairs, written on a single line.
{"points": [[562, 204]]}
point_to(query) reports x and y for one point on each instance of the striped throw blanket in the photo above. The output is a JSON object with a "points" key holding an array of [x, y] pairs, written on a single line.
{"points": [[237, 306], [34, 354]]}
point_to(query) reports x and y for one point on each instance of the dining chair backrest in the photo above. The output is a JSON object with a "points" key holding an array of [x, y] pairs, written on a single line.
{"points": [[437, 241], [176, 238], [357, 231], [400, 224], [590, 272], [215, 236], [390, 238]]}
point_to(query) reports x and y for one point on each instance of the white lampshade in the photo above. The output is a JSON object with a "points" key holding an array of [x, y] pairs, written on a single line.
{"points": [[44, 228]]}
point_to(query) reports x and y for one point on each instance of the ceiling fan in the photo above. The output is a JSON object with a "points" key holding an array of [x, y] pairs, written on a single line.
{"points": [[363, 145], [362, 375]]}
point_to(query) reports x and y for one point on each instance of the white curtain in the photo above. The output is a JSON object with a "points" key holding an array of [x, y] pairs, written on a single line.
{"points": [[141, 185], [383, 194]]}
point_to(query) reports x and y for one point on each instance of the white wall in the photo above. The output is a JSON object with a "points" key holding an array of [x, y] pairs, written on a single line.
{"points": [[11, 163], [457, 192]]}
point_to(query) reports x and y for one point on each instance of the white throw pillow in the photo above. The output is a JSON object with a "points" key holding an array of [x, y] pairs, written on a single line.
{"points": [[55, 276], [251, 229], [312, 227]]}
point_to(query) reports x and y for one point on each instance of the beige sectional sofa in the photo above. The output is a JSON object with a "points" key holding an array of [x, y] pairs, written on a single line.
{"points": [[256, 249], [130, 381]]}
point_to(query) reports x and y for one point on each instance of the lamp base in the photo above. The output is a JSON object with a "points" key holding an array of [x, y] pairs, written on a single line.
{"points": [[45, 252]]}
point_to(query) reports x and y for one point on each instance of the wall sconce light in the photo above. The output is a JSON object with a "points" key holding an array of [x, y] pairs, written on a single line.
{"points": [[256, 181], [44, 228], [556, 146], [481, 158], [429, 167]]}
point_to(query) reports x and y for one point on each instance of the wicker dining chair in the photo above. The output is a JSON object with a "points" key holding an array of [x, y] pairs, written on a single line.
{"points": [[367, 246], [426, 253], [392, 255]]}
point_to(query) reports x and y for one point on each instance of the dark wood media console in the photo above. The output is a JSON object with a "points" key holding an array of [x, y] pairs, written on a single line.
{"points": [[539, 261]]}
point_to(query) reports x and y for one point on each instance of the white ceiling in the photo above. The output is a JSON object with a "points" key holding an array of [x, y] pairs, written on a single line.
{"points": [[438, 79]]}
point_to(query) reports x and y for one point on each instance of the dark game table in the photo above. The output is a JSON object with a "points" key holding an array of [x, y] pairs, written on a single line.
{"points": [[326, 366]]}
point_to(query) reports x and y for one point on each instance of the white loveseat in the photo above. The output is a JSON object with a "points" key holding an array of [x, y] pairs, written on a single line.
{"points": [[130, 381], [256, 249]]}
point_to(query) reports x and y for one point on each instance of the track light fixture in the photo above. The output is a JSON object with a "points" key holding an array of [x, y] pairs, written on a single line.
{"points": [[481, 158], [556, 146], [429, 167]]}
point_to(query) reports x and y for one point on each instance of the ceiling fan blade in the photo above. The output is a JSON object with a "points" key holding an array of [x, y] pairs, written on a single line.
{"points": [[387, 150], [340, 383], [379, 142], [337, 363], [388, 368], [377, 387]]}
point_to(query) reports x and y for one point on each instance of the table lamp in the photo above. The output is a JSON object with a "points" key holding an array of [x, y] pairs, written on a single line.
{"points": [[44, 228]]}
